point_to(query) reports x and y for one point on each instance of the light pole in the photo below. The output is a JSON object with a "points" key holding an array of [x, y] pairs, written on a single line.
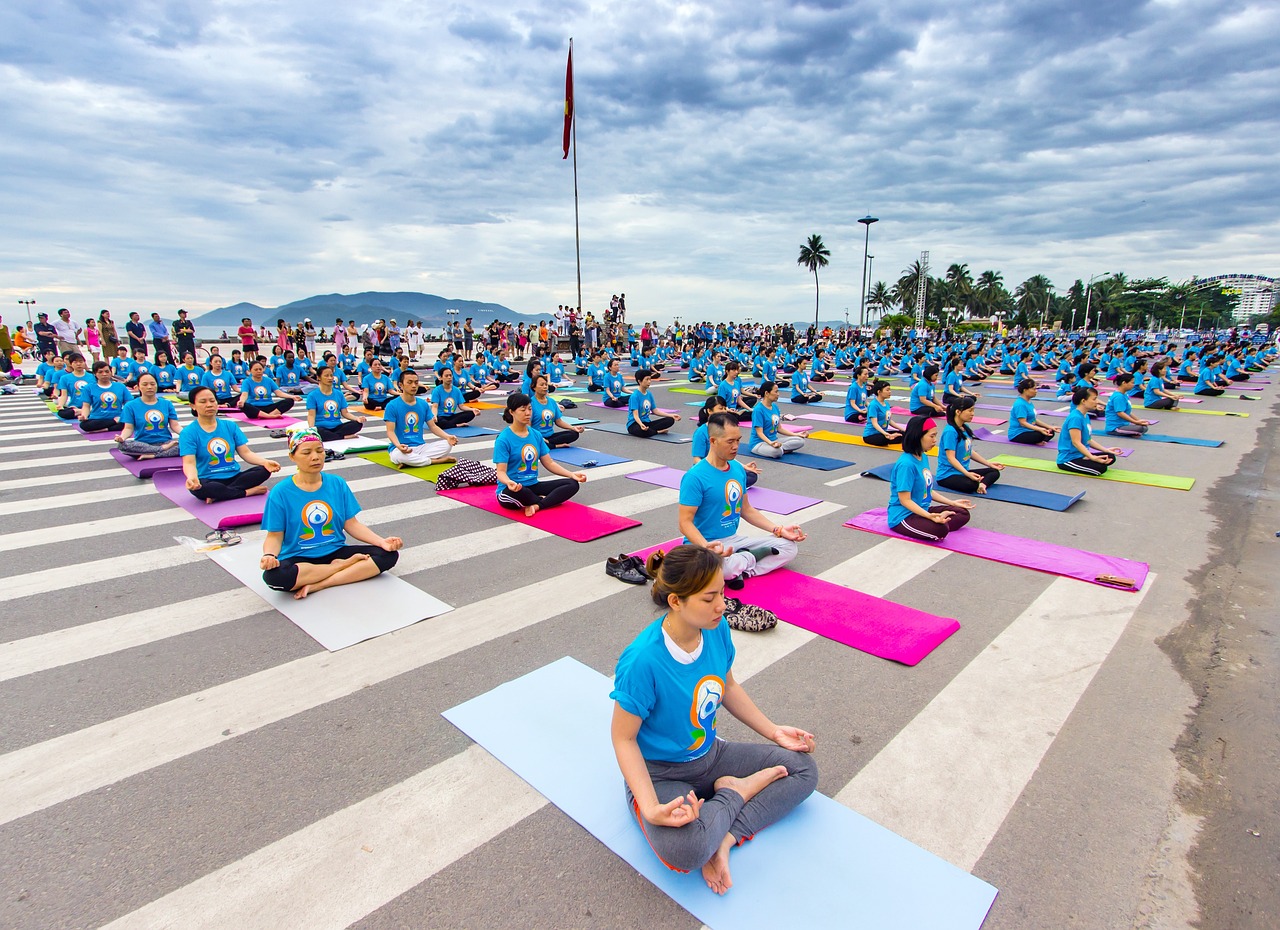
{"points": [[29, 304], [1088, 296], [866, 241]]}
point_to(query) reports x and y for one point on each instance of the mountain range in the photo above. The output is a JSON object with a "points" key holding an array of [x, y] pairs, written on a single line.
{"points": [[401, 306]]}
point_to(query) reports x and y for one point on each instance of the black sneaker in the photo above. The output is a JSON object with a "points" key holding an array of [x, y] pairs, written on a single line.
{"points": [[624, 570], [735, 584], [639, 565]]}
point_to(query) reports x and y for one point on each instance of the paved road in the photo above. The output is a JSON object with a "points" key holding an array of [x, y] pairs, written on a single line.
{"points": [[174, 754]]}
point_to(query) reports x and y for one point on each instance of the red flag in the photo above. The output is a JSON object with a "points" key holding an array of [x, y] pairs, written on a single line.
{"points": [[568, 100]]}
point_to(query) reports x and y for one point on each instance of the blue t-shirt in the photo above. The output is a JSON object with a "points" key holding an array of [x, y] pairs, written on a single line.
{"points": [[328, 407], [188, 378], [1075, 420], [289, 377], [447, 402], [730, 391], [857, 394], [701, 444], [614, 386], [717, 495], [922, 391], [107, 403], [166, 376], [311, 521], [1149, 395], [954, 383], [1117, 404], [676, 703], [222, 384], [800, 384], [909, 474], [215, 452], [122, 368], [1022, 409], [766, 419], [545, 415], [150, 421], [961, 445], [877, 412], [379, 388], [520, 455], [77, 387], [259, 392], [408, 422], [640, 407]]}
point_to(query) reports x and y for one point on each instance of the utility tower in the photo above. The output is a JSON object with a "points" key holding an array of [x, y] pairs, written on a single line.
{"points": [[922, 289]]}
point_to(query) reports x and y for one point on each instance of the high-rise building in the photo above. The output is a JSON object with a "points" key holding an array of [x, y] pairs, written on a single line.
{"points": [[1257, 293]]}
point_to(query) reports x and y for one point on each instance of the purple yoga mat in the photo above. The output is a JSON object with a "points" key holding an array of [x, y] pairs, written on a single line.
{"points": [[1017, 550], [870, 624], [818, 417], [149, 467], [987, 436], [264, 422], [600, 403], [104, 436], [221, 515], [774, 501]]}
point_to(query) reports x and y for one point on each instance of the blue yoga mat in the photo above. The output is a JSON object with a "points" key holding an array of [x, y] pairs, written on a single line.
{"points": [[821, 866], [1180, 440], [579, 421], [573, 455], [468, 431], [816, 403], [1009, 493], [621, 429], [804, 460]]}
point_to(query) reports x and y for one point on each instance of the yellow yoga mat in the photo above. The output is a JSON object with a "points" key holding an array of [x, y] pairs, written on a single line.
{"points": [[484, 405], [1173, 482], [425, 472], [1212, 413], [848, 439]]}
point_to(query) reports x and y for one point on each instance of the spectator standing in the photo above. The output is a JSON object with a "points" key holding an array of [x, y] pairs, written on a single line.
{"points": [[68, 333], [159, 336], [184, 331]]}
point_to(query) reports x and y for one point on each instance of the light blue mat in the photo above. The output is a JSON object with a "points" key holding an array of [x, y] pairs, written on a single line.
{"points": [[621, 430], [822, 866]]}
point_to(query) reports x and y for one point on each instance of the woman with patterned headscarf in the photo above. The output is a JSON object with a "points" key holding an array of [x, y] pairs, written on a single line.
{"points": [[308, 519]]}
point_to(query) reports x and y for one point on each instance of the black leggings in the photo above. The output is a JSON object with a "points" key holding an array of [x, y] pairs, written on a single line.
{"points": [[878, 439], [1083, 466], [284, 577], [1160, 403], [542, 494], [656, 425], [806, 398], [213, 489], [594, 388], [856, 418], [1210, 392], [374, 403], [273, 409], [104, 424], [561, 438], [965, 485], [617, 402], [344, 430], [1030, 438], [450, 420], [918, 527]]}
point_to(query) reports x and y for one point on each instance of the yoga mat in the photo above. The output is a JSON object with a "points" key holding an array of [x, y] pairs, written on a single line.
{"points": [[987, 436], [763, 498], [572, 521], [805, 460], [1208, 413], [265, 422], [600, 403], [425, 472], [820, 418], [683, 390], [149, 467], [365, 412], [336, 617], [1173, 482], [579, 456], [814, 403], [823, 865], [356, 444], [104, 436], [1008, 493], [1181, 440], [1016, 550], [621, 430], [986, 421], [220, 515], [579, 421], [468, 431], [850, 439], [483, 405]]}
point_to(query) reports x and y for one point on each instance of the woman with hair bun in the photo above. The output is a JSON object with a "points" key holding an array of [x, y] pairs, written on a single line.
{"points": [[517, 453], [880, 430], [209, 446], [955, 453], [695, 796], [914, 510], [1023, 425]]}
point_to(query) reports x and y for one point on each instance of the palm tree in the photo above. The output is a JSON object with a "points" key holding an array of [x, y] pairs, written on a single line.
{"points": [[961, 282], [881, 297], [904, 292], [814, 255], [989, 293], [1033, 297]]}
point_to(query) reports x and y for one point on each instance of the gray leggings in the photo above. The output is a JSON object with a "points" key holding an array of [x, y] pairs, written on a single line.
{"points": [[132, 447], [691, 846]]}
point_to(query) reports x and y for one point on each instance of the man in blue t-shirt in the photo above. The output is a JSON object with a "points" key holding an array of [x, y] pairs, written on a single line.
{"points": [[713, 500]]}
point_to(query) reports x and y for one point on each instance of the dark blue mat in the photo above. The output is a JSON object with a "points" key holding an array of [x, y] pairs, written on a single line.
{"points": [[573, 455], [1180, 440], [804, 460], [1009, 493]]}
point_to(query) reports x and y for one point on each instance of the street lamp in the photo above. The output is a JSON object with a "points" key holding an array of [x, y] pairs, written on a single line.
{"points": [[866, 240], [29, 304], [1088, 296]]}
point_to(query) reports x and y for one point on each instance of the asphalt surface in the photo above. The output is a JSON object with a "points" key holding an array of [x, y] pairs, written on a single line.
{"points": [[1149, 802]]}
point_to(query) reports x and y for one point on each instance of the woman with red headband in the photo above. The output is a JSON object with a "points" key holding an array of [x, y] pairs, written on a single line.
{"points": [[914, 510]]}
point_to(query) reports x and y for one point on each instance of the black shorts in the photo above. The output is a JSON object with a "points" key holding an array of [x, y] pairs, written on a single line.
{"points": [[284, 577]]}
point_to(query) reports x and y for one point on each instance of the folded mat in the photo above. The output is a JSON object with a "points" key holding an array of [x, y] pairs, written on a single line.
{"points": [[621, 430], [147, 468], [219, 515], [1000, 491], [987, 436], [425, 472], [579, 456], [842, 869], [570, 520], [1180, 440], [337, 617], [1017, 550], [1173, 482], [762, 498], [804, 460]]}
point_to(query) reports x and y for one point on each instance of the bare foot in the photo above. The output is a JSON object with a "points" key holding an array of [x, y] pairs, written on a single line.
{"points": [[443, 460], [752, 785], [716, 871], [144, 458], [302, 592], [255, 492], [531, 510]]}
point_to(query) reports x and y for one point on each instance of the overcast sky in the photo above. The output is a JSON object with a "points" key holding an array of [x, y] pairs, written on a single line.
{"points": [[196, 154]]}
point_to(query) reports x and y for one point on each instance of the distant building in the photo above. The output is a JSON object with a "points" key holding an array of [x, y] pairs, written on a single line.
{"points": [[1257, 293]]}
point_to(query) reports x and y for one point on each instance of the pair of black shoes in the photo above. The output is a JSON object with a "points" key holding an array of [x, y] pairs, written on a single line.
{"points": [[627, 568]]}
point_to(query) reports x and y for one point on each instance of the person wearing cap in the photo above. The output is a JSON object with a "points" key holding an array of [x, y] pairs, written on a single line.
{"points": [[407, 417], [46, 335], [517, 453], [307, 519], [209, 446], [914, 510], [184, 331]]}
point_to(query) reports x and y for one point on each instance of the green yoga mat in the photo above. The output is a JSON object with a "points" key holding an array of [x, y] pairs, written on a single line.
{"points": [[1212, 413], [1173, 482], [425, 472], [682, 390]]}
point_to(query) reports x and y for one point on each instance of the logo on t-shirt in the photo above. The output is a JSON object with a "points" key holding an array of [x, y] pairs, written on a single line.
{"points": [[317, 522], [732, 499], [331, 408], [707, 695], [410, 422], [528, 458], [108, 400], [154, 418], [219, 452]]}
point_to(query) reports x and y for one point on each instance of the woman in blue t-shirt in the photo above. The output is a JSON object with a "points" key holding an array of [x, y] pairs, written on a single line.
{"points": [[308, 518], [914, 510], [695, 796], [327, 410], [880, 429], [261, 396], [956, 456], [1120, 420], [547, 418], [517, 452], [149, 422], [1157, 394], [209, 447], [1023, 425], [855, 399], [447, 399], [923, 400], [1078, 451]]}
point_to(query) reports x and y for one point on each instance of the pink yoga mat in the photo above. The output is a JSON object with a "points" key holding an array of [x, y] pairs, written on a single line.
{"points": [[570, 520], [987, 436], [104, 436], [264, 422], [600, 403], [774, 501], [149, 467], [870, 624], [818, 417], [1016, 550], [904, 412], [221, 515]]}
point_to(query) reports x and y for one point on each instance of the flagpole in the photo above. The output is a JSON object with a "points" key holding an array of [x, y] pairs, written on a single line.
{"points": [[577, 240]]}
